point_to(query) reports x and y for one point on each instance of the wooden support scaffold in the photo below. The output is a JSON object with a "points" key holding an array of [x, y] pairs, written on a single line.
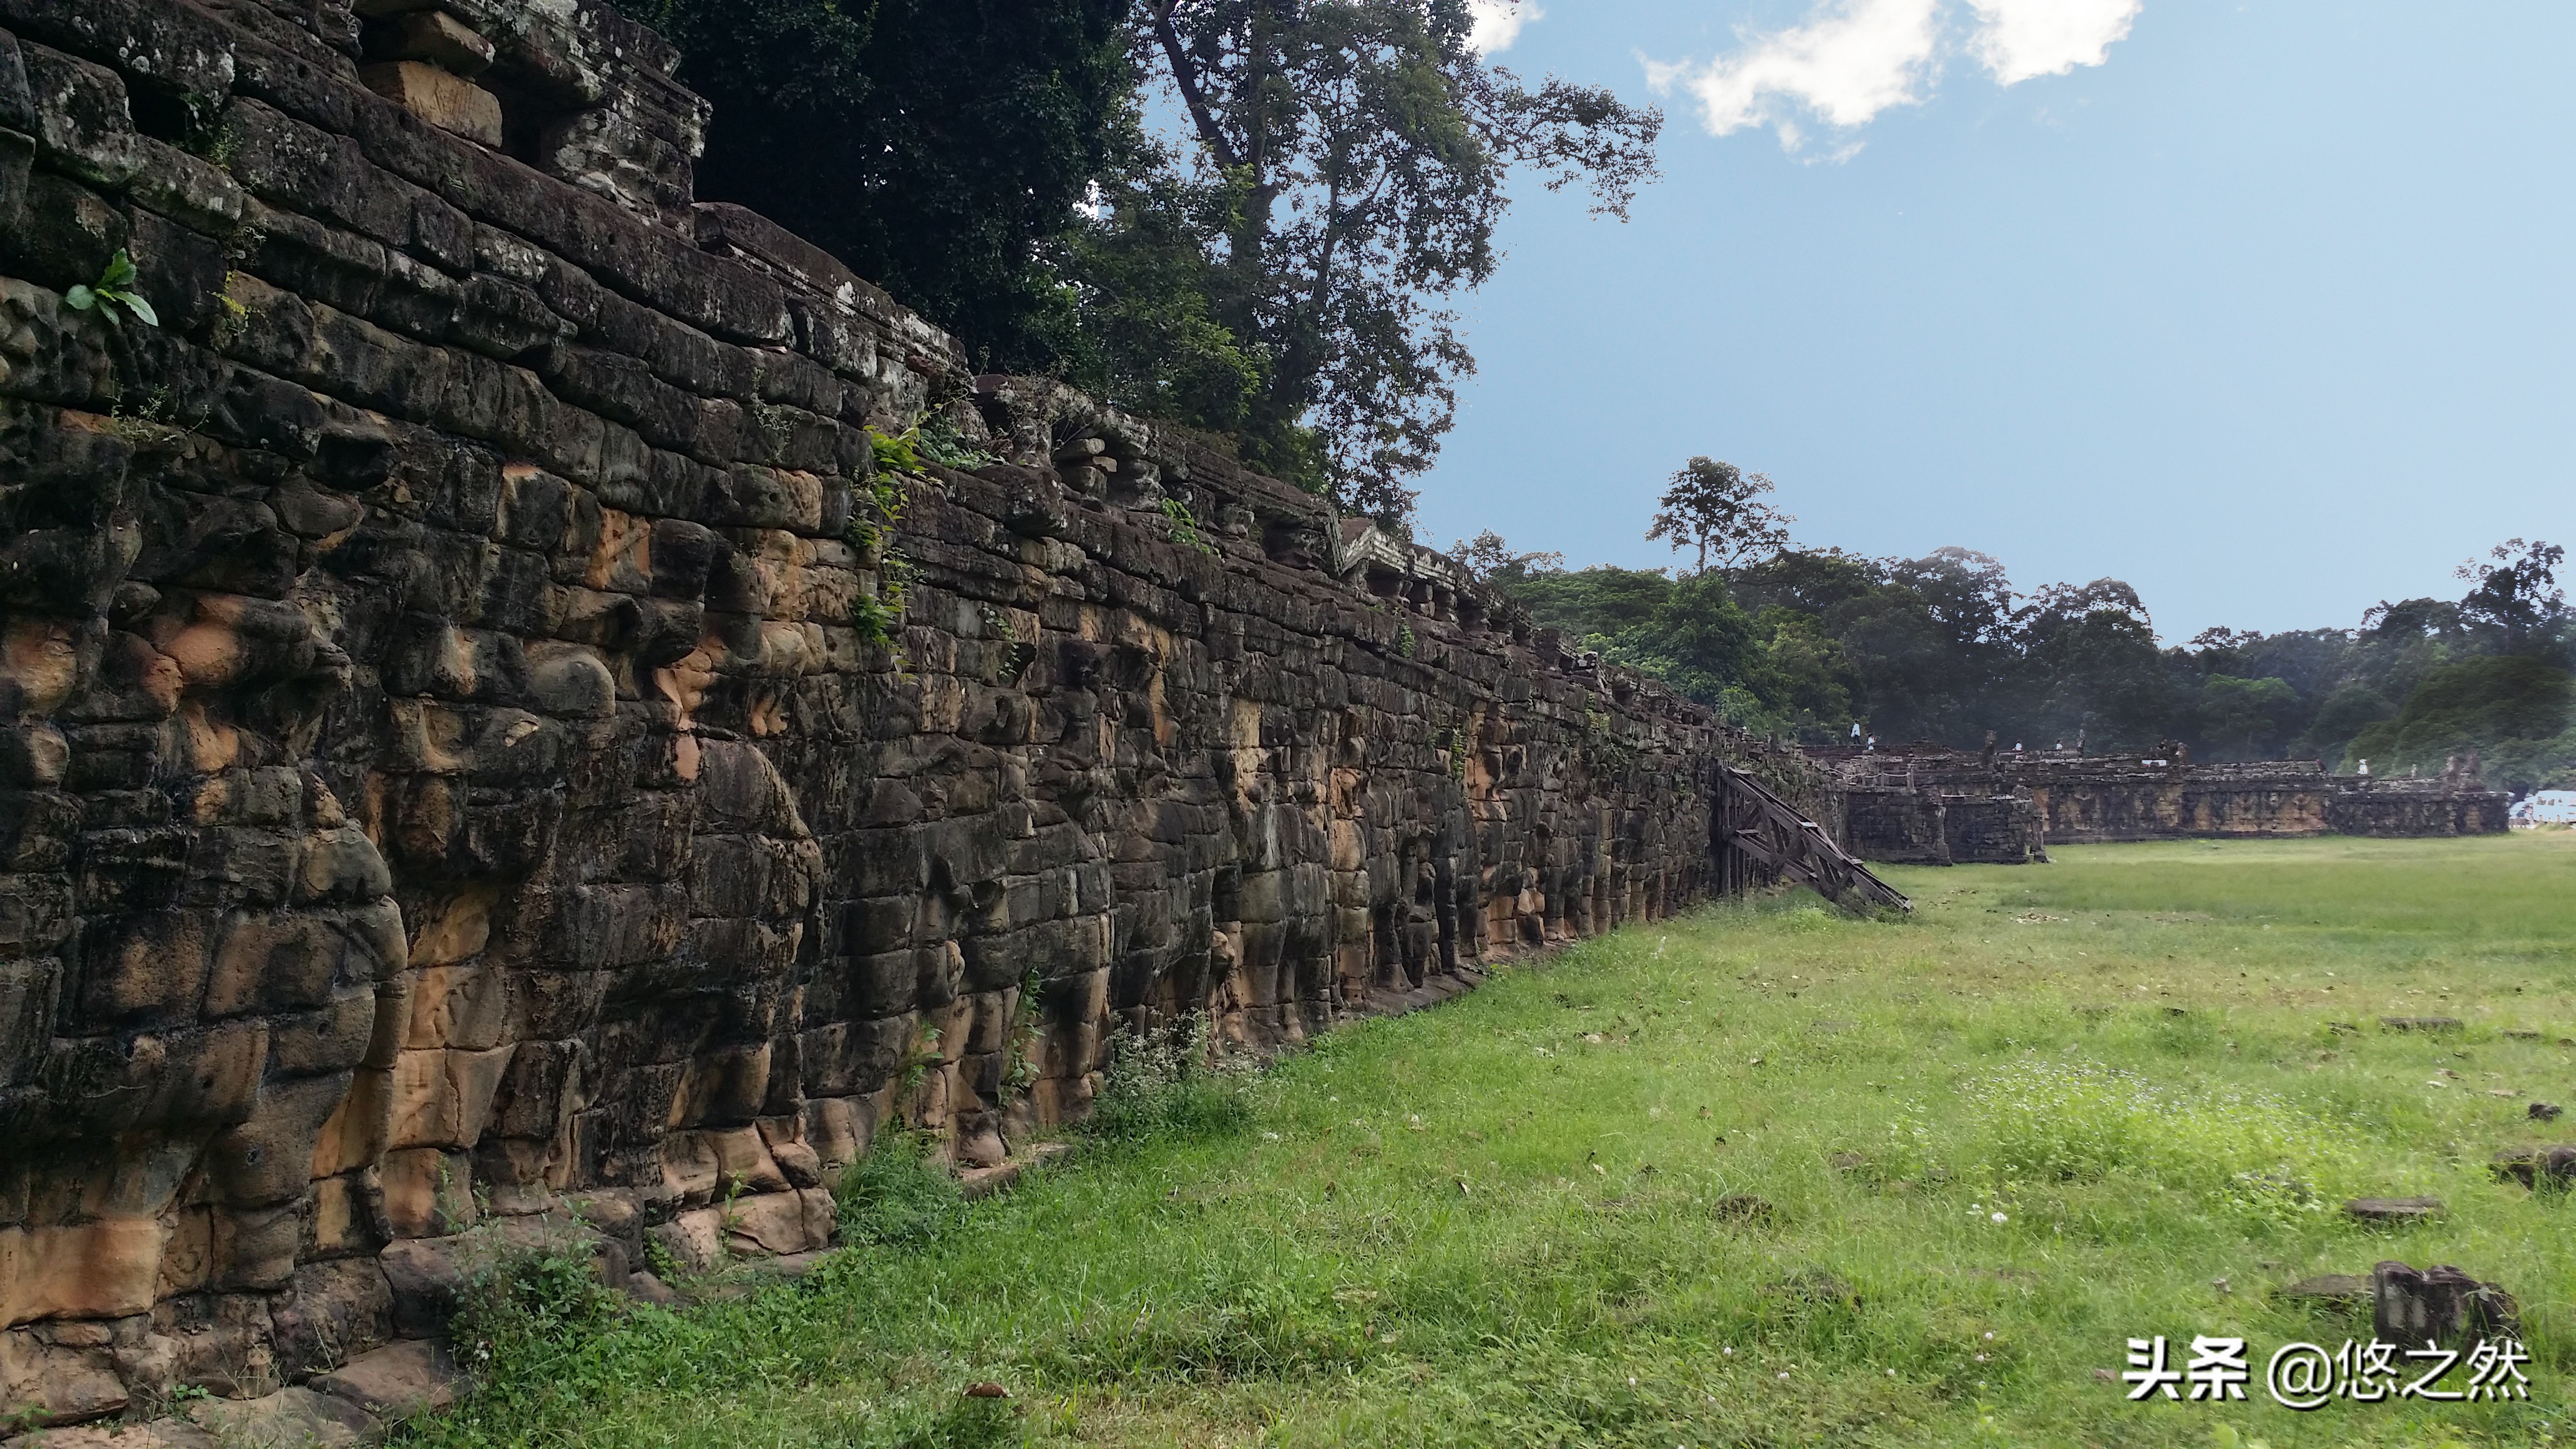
{"points": [[1760, 839]]}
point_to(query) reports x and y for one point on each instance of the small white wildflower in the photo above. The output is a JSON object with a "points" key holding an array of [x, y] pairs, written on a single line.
{"points": [[1999, 1217]]}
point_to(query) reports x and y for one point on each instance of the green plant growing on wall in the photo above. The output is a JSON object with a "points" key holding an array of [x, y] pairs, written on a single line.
{"points": [[876, 507], [729, 1217], [210, 130], [155, 423], [941, 443], [523, 1305], [232, 317], [777, 424], [1404, 640], [1185, 526], [917, 1062], [896, 452], [897, 1196], [1027, 1034], [113, 293], [1169, 1082], [658, 1259]]}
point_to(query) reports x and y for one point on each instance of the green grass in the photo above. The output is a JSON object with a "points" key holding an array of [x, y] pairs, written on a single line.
{"points": [[1522, 1218]]}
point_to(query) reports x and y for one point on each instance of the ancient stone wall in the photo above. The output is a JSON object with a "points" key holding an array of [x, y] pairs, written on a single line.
{"points": [[2082, 799], [1899, 824], [469, 749]]}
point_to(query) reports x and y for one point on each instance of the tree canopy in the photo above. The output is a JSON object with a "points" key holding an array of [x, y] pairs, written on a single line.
{"points": [[935, 146], [1809, 642], [1282, 271], [1354, 154], [1719, 508]]}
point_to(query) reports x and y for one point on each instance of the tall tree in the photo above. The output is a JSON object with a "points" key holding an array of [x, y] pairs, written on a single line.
{"points": [[2517, 594], [936, 146], [1489, 558], [1365, 147], [2091, 665], [1721, 509]]}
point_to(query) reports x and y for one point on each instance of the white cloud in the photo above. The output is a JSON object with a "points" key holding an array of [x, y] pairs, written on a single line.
{"points": [[1498, 23], [2019, 39], [1853, 59]]}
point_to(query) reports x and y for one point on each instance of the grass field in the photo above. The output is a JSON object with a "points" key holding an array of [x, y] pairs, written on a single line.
{"points": [[2061, 1107]]}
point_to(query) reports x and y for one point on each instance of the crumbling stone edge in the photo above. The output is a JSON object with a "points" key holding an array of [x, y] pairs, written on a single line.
{"points": [[367, 1399]]}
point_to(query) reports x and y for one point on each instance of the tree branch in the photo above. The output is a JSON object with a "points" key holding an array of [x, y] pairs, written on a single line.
{"points": [[1186, 79]]}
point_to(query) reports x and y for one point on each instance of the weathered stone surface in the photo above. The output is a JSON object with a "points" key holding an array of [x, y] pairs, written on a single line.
{"points": [[1927, 804], [2394, 1209], [433, 36], [444, 784], [441, 97], [2334, 1291], [397, 1381], [291, 1418], [2537, 1167], [2440, 1304]]}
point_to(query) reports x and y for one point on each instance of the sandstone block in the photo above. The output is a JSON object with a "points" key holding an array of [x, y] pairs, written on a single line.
{"points": [[354, 1135], [254, 1247], [447, 101], [2537, 1167], [442, 1097], [437, 38], [105, 1268], [2441, 1304], [280, 961], [398, 1380], [269, 1158], [347, 1216], [338, 1311], [203, 1078], [65, 1385], [780, 1223], [724, 1086], [146, 969], [294, 1416], [461, 1006], [17, 104], [695, 1240], [427, 1193]]}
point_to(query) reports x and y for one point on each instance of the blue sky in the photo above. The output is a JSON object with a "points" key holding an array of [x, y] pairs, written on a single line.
{"points": [[2270, 312]]}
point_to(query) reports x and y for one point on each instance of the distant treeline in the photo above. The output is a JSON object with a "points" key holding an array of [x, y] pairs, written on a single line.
{"points": [[1943, 648]]}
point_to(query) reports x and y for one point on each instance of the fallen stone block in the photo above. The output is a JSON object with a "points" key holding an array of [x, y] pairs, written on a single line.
{"points": [[2393, 1209], [159, 1434], [397, 1381], [2441, 1304], [2336, 1292], [288, 1419], [2536, 1167], [1742, 1207]]}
